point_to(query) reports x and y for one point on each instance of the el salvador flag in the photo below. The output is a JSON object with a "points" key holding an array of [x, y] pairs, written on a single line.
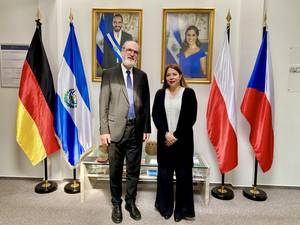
{"points": [[174, 40], [72, 109], [101, 32]]}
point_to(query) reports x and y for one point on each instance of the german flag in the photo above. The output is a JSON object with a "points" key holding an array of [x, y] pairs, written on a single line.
{"points": [[35, 128]]}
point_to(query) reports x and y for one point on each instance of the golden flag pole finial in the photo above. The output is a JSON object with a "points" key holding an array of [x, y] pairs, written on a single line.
{"points": [[228, 17], [265, 26], [71, 17], [38, 14], [265, 19]]}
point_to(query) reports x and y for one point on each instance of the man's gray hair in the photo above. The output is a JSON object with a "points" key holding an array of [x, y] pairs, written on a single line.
{"points": [[130, 41]]}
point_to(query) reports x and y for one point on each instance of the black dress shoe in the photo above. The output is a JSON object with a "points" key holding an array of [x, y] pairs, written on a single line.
{"points": [[133, 211], [177, 219], [167, 217], [116, 215]]}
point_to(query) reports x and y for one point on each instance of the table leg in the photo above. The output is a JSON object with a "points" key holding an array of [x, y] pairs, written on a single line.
{"points": [[82, 181]]}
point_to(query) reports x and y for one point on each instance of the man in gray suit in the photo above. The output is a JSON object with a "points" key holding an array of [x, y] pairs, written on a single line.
{"points": [[120, 37], [124, 125]]}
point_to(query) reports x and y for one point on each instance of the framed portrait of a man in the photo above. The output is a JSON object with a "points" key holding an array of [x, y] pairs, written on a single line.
{"points": [[187, 41], [111, 28]]}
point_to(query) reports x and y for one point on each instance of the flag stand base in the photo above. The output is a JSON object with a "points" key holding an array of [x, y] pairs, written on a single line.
{"points": [[222, 193], [45, 187], [72, 187], [255, 194]]}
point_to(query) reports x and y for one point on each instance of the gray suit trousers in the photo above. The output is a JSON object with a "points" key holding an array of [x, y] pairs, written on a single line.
{"points": [[131, 150]]}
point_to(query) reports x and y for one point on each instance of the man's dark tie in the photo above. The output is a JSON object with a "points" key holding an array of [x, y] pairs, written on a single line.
{"points": [[131, 113]]}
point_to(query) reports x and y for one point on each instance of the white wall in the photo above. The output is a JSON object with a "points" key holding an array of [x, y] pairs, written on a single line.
{"points": [[246, 31], [284, 33]]}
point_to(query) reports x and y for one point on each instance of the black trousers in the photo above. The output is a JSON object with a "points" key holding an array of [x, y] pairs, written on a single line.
{"points": [[130, 149], [184, 198]]}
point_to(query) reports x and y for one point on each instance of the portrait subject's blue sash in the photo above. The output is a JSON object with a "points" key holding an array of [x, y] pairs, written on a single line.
{"points": [[114, 46]]}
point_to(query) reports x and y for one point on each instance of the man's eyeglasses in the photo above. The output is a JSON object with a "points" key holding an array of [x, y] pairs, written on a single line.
{"points": [[130, 50]]}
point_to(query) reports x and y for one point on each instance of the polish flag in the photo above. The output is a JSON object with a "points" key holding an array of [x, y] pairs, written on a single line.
{"points": [[221, 112]]}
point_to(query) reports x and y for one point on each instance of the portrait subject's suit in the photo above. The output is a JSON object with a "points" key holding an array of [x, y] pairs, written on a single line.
{"points": [[109, 58], [114, 106]]}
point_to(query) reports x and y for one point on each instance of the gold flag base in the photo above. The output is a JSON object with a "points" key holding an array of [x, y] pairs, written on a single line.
{"points": [[222, 193], [45, 187], [255, 194], [72, 187]]}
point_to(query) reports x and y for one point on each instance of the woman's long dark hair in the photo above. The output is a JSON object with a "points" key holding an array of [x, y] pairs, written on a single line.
{"points": [[185, 45], [177, 68]]}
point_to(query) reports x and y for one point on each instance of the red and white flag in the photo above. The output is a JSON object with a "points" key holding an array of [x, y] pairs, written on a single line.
{"points": [[221, 111]]}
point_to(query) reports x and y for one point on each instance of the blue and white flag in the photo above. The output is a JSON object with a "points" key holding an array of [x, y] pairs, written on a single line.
{"points": [[72, 110], [174, 40], [101, 32]]}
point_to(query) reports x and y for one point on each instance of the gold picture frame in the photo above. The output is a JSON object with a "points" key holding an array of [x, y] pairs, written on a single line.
{"points": [[182, 27], [106, 47]]}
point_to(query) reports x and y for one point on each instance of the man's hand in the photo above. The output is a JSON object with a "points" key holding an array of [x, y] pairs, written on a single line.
{"points": [[105, 139], [146, 136]]}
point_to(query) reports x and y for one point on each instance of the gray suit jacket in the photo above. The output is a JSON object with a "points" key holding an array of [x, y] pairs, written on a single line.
{"points": [[114, 104]]}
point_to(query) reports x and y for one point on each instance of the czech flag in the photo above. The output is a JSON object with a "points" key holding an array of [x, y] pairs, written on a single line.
{"points": [[221, 111], [34, 125], [257, 107]]}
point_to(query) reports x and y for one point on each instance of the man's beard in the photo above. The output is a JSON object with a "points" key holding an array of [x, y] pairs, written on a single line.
{"points": [[129, 62], [117, 29]]}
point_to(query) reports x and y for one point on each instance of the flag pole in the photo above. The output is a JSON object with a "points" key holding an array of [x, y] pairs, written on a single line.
{"points": [[253, 193], [45, 186], [222, 192], [72, 187]]}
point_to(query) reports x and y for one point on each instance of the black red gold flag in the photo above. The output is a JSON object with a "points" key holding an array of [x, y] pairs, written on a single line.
{"points": [[35, 128]]}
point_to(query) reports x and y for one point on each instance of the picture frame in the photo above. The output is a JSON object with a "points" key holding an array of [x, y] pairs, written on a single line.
{"points": [[182, 27], [106, 46]]}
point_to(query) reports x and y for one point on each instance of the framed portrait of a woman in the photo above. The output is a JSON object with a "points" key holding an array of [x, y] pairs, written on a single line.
{"points": [[187, 41], [111, 28]]}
